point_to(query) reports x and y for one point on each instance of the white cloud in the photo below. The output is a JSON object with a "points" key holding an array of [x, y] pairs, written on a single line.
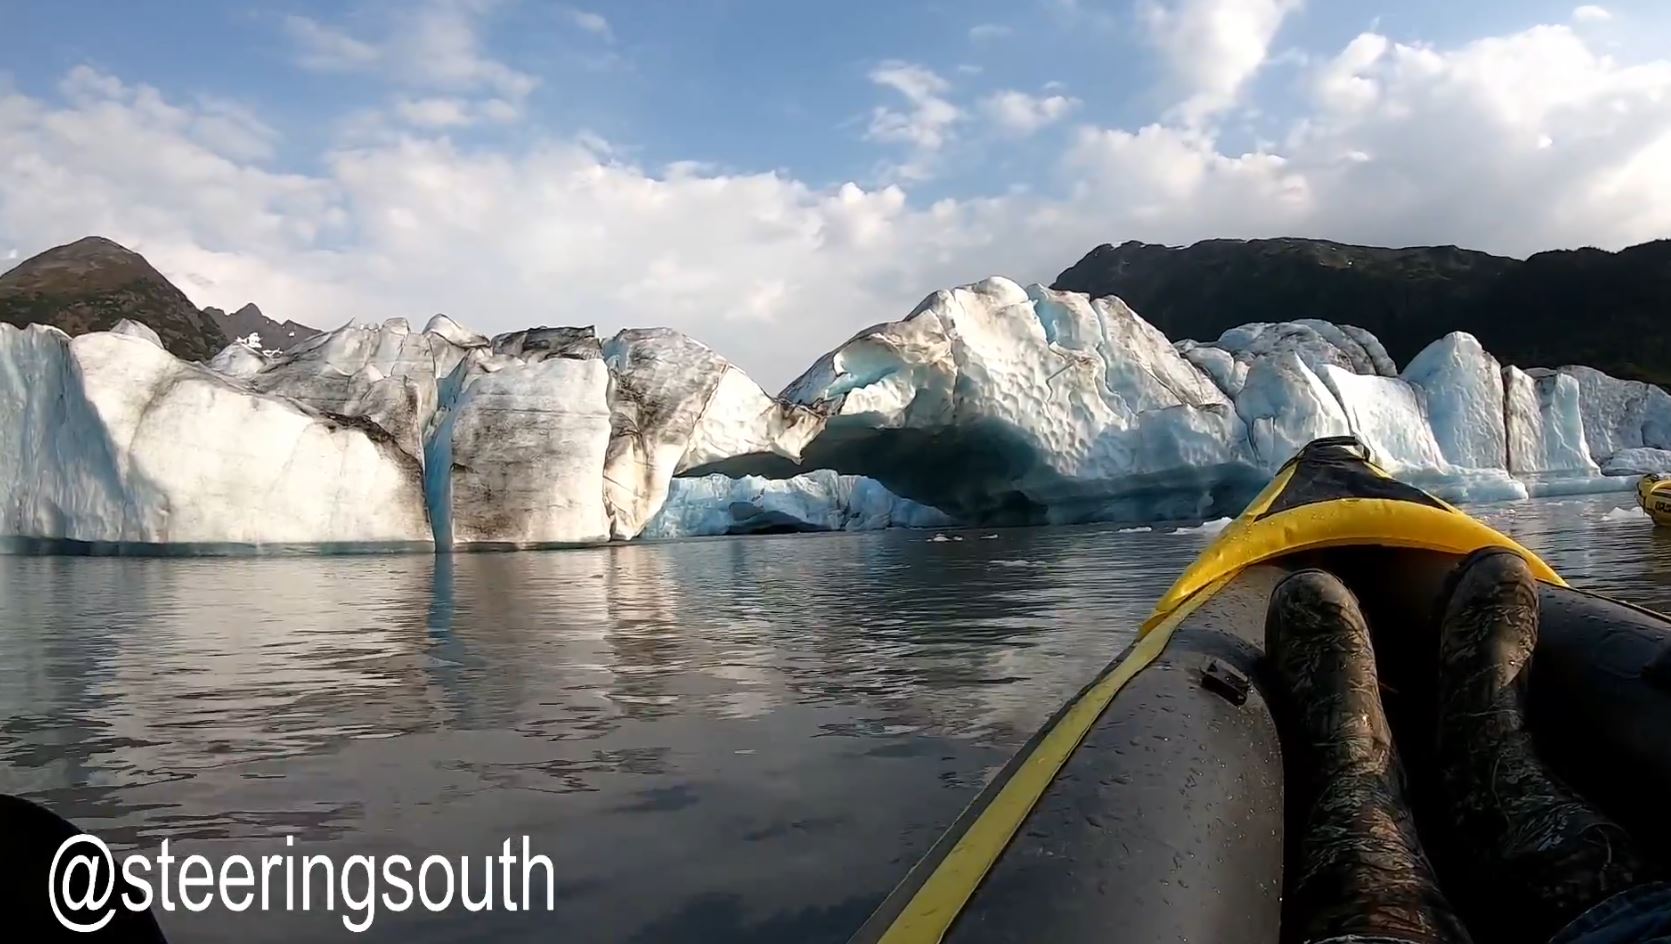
{"points": [[1345, 82], [1212, 47], [408, 224], [433, 44], [221, 127], [454, 112], [1508, 144], [121, 161], [987, 32], [1590, 13], [434, 112], [1454, 143], [1173, 185], [590, 22], [441, 45], [320, 47], [925, 127], [1019, 114]]}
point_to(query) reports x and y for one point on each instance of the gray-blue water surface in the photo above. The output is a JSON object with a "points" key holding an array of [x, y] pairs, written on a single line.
{"points": [[734, 739]]}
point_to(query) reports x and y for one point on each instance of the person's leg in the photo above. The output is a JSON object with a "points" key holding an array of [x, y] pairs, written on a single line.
{"points": [[1532, 851], [1362, 870]]}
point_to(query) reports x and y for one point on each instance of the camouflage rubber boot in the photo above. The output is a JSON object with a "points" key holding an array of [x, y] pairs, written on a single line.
{"points": [[1532, 851], [1362, 874]]}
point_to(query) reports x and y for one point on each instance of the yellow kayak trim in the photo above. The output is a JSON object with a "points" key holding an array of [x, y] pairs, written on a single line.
{"points": [[1341, 522], [931, 911]]}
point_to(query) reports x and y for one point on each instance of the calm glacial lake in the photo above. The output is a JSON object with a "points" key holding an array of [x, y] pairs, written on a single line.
{"points": [[717, 740]]}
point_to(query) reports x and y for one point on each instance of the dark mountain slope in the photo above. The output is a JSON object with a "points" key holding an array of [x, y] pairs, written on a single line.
{"points": [[1586, 306], [249, 320], [92, 283]]}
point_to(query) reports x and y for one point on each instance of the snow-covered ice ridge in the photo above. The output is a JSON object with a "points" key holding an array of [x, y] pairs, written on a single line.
{"points": [[368, 435], [990, 403], [996, 402]]}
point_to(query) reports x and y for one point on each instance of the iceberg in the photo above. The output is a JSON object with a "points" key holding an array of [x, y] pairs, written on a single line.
{"points": [[134, 329], [1635, 462], [517, 453], [1462, 391], [238, 360], [558, 438], [1544, 424], [676, 405], [991, 403], [1621, 414], [817, 501], [363, 435], [1087, 412], [1389, 416], [109, 439], [1545, 435], [1220, 366], [386, 374], [1000, 404], [1318, 343], [1285, 405]]}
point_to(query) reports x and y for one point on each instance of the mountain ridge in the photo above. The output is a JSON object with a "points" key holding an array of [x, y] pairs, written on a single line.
{"points": [[93, 283], [250, 320]]}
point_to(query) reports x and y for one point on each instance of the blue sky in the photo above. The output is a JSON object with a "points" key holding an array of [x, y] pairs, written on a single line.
{"points": [[770, 176]]}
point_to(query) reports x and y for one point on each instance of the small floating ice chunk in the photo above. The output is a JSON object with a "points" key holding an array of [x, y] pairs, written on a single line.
{"points": [[1624, 514]]}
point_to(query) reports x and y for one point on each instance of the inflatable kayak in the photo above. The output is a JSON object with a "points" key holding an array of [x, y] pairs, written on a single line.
{"points": [[1151, 806], [1653, 493]]}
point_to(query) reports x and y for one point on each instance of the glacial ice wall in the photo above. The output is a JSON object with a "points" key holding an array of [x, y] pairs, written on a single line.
{"points": [[816, 501], [1002, 404], [368, 435], [678, 405], [1052, 406], [108, 438], [989, 403]]}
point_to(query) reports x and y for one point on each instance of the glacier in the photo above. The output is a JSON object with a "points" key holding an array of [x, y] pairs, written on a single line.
{"points": [[1006, 405], [375, 435], [816, 501], [991, 403], [1054, 407], [109, 439]]}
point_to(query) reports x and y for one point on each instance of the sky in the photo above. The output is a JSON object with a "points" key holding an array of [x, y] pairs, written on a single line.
{"points": [[772, 176]]}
